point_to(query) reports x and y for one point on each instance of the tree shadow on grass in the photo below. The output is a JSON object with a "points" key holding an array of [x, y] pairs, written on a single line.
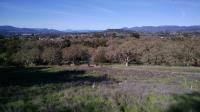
{"points": [[11, 76], [26, 84], [186, 103]]}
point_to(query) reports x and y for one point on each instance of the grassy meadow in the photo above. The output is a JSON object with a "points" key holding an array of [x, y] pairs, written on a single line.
{"points": [[109, 88]]}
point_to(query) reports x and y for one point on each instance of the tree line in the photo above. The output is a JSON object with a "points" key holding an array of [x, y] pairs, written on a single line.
{"points": [[144, 51]]}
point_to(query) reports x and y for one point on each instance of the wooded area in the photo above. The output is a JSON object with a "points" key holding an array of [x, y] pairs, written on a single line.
{"points": [[59, 51]]}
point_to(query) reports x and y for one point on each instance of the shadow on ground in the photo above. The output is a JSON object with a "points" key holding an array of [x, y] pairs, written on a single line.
{"points": [[186, 103], [11, 76]]}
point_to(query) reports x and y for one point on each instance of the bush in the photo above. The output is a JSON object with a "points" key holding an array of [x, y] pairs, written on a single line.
{"points": [[75, 54], [99, 55], [51, 56]]}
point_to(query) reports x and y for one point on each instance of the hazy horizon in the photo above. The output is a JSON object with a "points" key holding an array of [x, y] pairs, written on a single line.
{"points": [[98, 14], [97, 29]]}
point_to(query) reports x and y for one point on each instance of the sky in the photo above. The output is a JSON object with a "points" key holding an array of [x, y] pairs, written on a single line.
{"points": [[98, 14]]}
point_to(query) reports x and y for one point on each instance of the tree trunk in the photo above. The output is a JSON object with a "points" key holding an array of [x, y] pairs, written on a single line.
{"points": [[127, 60], [127, 64]]}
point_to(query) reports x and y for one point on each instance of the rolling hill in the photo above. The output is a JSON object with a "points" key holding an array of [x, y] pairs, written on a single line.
{"points": [[11, 29], [165, 29]]}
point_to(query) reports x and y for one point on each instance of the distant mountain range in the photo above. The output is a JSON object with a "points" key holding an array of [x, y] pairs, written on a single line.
{"points": [[80, 31], [11, 29], [165, 29]]}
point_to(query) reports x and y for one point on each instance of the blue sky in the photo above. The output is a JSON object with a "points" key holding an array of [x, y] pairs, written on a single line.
{"points": [[98, 14]]}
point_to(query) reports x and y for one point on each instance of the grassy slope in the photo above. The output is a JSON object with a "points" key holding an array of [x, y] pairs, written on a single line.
{"points": [[189, 69], [107, 89]]}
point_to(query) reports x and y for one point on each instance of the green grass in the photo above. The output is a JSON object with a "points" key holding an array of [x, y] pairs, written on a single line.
{"points": [[183, 69], [76, 89]]}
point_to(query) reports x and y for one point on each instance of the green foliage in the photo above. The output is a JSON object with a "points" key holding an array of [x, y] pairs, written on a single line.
{"points": [[1, 36], [186, 103], [51, 56], [27, 57]]}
